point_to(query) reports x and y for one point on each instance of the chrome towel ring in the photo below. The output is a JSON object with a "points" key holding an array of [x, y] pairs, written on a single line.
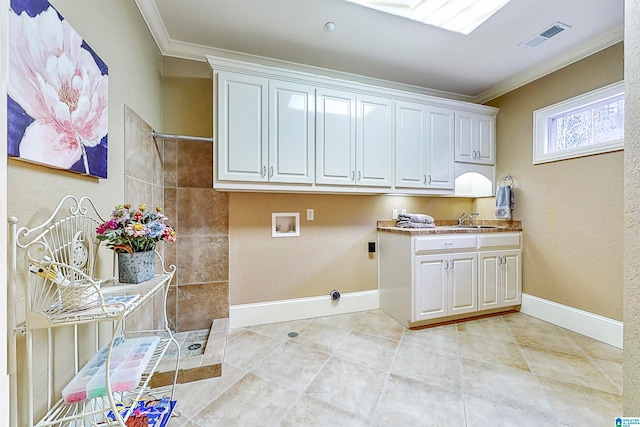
{"points": [[506, 180]]}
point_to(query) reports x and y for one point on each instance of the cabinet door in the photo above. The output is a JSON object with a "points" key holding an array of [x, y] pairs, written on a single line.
{"points": [[489, 285], [486, 140], [291, 132], [374, 141], [242, 127], [440, 140], [430, 287], [464, 144], [475, 138], [335, 137], [512, 277], [463, 283], [410, 144]]}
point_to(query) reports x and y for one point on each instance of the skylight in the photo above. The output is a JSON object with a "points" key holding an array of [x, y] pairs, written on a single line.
{"points": [[462, 16]]}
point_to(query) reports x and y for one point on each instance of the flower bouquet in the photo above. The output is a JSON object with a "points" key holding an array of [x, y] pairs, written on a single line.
{"points": [[133, 235]]}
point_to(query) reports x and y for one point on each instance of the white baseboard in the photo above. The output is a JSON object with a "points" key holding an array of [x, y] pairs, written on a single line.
{"points": [[592, 325], [244, 315], [4, 400]]}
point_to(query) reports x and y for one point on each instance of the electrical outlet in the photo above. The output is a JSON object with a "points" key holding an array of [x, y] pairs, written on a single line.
{"points": [[403, 211], [310, 215], [371, 247], [394, 213]]}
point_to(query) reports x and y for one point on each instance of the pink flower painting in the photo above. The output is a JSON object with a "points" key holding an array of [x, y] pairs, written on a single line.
{"points": [[58, 91]]}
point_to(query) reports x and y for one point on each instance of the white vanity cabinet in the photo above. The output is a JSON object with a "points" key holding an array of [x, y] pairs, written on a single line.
{"points": [[445, 275], [353, 139], [424, 146], [266, 130], [475, 138], [444, 285], [500, 268], [426, 277]]}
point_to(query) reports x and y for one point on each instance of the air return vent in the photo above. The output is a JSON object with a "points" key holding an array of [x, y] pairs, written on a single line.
{"points": [[544, 35]]}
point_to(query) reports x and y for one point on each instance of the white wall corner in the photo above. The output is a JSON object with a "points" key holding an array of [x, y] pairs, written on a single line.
{"points": [[592, 325], [244, 315]]}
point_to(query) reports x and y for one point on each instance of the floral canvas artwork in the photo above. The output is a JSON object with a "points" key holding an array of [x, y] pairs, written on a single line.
{"points": [[57, 92]]}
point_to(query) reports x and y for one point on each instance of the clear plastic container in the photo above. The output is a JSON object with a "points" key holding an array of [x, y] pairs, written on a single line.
{"points": [[128, 361]]}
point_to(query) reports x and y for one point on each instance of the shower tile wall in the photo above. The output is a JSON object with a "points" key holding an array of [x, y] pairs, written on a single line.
{"points": [[143, 183], [201, 217]]}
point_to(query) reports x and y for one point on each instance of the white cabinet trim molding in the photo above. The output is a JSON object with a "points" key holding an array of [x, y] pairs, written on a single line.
{"points": [[327, 80]]}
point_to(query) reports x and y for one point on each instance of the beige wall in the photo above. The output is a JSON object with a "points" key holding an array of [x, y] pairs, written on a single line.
{"points": [[134, 80], [331, 252], [117, 33], [631, 211], [187, 98], [199, 213], [571, 210]]}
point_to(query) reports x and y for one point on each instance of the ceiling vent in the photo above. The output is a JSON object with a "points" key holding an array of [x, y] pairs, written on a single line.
{"points": [[544, 35]]}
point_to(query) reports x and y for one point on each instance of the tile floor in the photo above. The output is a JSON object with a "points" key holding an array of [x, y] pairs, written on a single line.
{"points": [[364, 369]]}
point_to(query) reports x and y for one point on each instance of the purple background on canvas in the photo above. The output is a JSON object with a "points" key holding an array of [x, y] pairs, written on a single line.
{"points": [[19, 120]]}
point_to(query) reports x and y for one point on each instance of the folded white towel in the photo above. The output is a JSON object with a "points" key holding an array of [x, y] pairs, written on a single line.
{"points": [[417, 218], [504, 202], [409, 224]]}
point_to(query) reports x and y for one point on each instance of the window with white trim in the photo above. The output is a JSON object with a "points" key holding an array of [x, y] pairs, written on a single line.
{"points": [[588, 124]]}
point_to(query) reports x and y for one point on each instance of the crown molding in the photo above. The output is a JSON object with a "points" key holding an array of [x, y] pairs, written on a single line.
{"points": [[196, 52], [568, 57]]}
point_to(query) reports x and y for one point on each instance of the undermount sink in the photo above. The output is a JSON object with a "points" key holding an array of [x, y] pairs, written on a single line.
{"points": [[478, 226]]}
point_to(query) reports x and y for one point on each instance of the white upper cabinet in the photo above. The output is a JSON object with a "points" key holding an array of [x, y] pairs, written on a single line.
{"points": [[475, 138], [296, 131], [242, 147], [335, 137], [424, 144], [266, 130], [411, 137], [291, 132], [374, 141]]}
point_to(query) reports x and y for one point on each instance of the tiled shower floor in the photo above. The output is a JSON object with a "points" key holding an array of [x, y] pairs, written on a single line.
{"points": [[192, 343], [198, 349], [364, 369]]}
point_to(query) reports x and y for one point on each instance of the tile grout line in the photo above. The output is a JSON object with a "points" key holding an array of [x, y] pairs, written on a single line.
{"points": [[192, 418], [462, 385], [591, 359], [384, 387], [535, 376]]}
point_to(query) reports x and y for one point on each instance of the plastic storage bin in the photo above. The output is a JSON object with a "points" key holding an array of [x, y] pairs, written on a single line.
{"points": [[128, 361]]}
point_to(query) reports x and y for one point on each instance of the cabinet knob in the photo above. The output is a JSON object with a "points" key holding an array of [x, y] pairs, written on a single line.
{"points": [[429, 179], [264, 170], [359, 175], [499, 259], [353, 175], [270, 171], [424, 179]]}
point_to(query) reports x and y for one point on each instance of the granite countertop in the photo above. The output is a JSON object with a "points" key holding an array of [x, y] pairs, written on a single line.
{"points": [[450, 227]]}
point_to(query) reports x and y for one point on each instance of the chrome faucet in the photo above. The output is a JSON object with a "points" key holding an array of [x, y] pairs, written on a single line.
{"points": [[464, 216]]}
